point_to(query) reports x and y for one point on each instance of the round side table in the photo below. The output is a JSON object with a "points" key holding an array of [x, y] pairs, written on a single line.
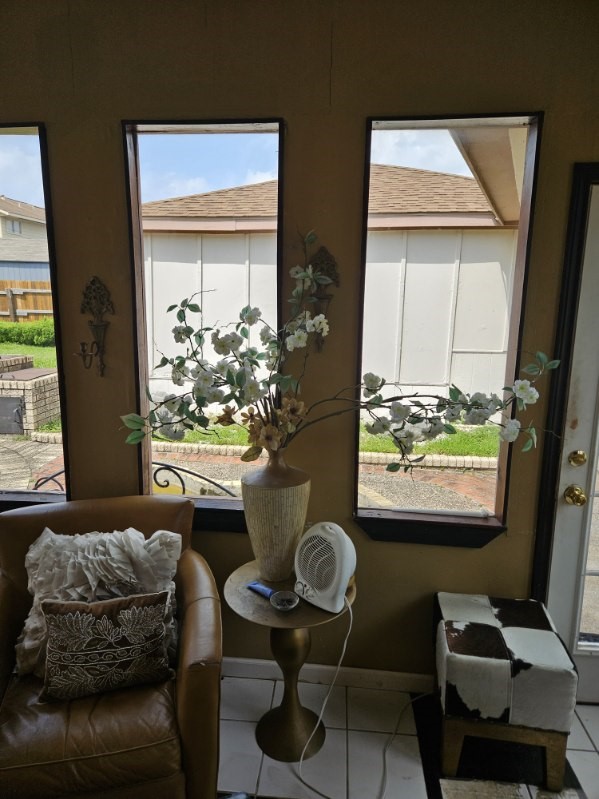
{"points": [[283, 731]]}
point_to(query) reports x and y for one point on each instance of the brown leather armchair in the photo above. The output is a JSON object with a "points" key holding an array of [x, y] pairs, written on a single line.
{"points": [[147, 741]]}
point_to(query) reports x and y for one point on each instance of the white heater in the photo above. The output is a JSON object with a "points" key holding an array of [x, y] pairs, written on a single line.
{"points": [[325, 560]]}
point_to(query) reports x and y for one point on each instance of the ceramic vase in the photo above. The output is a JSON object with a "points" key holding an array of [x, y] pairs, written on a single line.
{"points": [[275, 501]]}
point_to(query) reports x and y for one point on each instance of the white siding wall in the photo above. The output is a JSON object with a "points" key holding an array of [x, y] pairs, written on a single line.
{"points": [[437, 308], [436, 302], [226, 271], [29, 230]]}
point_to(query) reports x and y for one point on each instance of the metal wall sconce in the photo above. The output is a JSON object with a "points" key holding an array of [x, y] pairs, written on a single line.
{"points": [[325, 263], [97, 302]]}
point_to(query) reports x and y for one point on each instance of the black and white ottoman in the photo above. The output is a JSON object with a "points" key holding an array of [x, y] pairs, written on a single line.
{"points": [[504, 673]]}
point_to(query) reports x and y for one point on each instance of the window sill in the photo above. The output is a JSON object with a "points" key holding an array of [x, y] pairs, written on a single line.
{"points": [[9, 500], [429, 529], [219, 515]]}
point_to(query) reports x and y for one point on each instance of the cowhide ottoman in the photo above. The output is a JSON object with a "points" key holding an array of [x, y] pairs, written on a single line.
{"points": [[504, 673]]}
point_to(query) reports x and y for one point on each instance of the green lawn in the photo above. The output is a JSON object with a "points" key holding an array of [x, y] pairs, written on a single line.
{"points": [[43, 357], [479, 441]]}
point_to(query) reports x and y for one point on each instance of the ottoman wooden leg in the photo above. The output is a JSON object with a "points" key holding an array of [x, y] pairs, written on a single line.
{"points": [[555, 760], [453, 740]]}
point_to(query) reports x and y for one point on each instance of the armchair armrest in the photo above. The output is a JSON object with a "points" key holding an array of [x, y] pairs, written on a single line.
{"points": [[14, 606], [198, 673]]}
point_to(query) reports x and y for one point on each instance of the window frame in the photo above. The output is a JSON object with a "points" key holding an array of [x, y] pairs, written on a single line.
{"points": [[447, 529], [13, 498], [210, 514]]}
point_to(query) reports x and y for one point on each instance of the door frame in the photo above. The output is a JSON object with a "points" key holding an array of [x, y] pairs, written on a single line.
{"points": [[584, 176]]}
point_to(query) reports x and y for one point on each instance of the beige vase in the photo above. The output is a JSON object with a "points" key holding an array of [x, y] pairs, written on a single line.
{"points": [[275, 502]]}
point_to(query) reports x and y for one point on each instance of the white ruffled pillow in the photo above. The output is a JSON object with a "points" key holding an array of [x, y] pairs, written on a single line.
{"points": [[92, 567]]}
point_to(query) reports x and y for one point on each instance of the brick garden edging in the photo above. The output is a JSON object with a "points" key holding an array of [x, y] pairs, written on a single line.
{"points": [[370, 458]]}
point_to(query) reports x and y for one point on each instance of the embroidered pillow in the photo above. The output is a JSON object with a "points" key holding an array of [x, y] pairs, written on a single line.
{"points": [[100, 646], [92, 567]]}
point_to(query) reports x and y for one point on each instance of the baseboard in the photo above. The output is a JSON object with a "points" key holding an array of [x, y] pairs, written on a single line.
{"points": [[316, 673]]}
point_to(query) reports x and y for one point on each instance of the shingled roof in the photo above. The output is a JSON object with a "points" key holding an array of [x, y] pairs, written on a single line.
{"points": [[394, 192], [21, 210]]}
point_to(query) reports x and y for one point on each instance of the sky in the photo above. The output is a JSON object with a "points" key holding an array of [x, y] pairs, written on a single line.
{"points": [[181, 164]]}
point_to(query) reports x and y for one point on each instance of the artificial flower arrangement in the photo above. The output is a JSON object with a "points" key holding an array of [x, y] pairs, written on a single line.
{"points": [[249, 385]]}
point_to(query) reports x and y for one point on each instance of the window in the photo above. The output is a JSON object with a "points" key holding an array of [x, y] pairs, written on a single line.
{"points": [[447, 225], [32, 463], [208, 212]]}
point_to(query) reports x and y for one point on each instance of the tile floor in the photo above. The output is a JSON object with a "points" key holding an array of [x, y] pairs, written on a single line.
{"points": [[359, 724]]}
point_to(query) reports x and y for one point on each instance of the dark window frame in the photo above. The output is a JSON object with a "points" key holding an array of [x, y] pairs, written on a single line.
{"points": [[10, 498], [215, 515], [455, 529]]}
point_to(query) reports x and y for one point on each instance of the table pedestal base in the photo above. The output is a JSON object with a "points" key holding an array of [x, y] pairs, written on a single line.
{"points": [[283, 731], [283, 736]]}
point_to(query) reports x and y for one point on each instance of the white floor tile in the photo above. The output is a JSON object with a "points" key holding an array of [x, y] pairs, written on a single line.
{"points": [[404, 769], [589, 715], [312, 696], [540, 793], [578, 738], [378, 711], [244, 699], [326, 771], [240, 757], [586, 768]]}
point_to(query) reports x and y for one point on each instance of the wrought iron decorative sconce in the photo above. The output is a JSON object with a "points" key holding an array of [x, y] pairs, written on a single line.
{"points": [[97, 302], [324, 262]]}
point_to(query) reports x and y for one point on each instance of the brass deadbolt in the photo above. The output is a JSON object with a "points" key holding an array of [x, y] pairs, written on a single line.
{"points": [[577, 458], [574, 495]]}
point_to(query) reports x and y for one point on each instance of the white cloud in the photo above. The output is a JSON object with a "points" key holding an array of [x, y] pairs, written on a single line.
{"points": [[257, 176], [421, 149], [20, 169], [159, 185]]}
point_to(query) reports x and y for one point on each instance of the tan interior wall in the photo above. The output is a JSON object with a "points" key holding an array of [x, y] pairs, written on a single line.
{"points": [[324, 66]]}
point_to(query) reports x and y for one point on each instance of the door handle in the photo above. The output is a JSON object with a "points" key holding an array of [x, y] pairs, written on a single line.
{"points": [[577, 458], [575, 495]]}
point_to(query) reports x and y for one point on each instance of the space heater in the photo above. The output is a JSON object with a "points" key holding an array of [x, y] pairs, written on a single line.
{"points": [[325, 560]]}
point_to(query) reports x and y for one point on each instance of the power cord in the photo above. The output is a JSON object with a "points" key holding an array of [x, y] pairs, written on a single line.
{"points": [[324, 704], [383, 787]]}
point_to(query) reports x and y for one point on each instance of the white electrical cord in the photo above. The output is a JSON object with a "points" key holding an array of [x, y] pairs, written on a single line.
{"points": [[383, 787], [324, 704]]}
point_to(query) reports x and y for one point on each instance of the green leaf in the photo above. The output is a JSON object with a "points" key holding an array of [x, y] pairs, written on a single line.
{"points": [[251, 454], [180, 315], [552, 365], [135, 437], [528, 445], [171, 308], [454, 393], [323, 280], [194, 307], [230, 378], [240, 378], [133, 421], [532, 369], [393, 467], [449, 428], [244, 332], [541, 358], [310, 237]]}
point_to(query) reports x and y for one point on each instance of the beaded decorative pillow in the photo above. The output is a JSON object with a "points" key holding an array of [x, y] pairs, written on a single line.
{"points": [[95, 647], [92, 567]]}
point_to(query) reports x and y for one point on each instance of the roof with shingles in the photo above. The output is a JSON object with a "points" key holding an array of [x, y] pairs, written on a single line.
{"points": [[21, 210], [393, 190]]}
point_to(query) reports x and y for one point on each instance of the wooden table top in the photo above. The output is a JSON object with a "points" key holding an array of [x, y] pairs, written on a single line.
{"points": [[256, 608]]}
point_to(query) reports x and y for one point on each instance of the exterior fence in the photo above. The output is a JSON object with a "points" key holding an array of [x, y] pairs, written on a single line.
{"points": [[25, 300]]}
